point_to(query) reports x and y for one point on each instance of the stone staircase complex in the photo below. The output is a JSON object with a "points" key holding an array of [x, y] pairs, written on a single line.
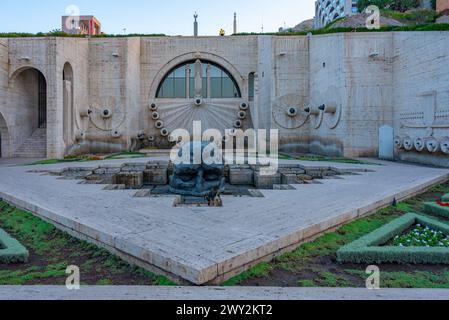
{"points": [[34, 147]]}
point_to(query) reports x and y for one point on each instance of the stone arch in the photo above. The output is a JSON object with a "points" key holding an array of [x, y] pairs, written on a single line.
{"points": [[194, 56], [68, 104], [28, 97], [5, 139]]}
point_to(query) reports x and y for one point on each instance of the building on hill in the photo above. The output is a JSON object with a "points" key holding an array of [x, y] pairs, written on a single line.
{"points": [[327, 11], [442, 5], [305, 26], [82, 25]]}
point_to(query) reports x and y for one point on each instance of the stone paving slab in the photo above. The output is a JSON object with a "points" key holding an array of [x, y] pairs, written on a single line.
{"points": [[208, 245], [214, 293]]}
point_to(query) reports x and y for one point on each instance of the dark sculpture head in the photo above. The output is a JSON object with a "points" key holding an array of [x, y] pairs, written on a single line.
{"points": [[197, 179]]}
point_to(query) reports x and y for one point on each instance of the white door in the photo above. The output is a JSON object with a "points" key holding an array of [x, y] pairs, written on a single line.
{"points": [[386, 143]]}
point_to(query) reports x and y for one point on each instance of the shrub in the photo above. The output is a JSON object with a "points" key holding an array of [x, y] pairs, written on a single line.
{"points": [[363, 4], [436, 209], [369, 249], [11, 251], [420, 16]]}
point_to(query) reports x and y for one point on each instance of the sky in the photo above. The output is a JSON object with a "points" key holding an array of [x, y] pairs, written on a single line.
{"points": [[170, 17]]}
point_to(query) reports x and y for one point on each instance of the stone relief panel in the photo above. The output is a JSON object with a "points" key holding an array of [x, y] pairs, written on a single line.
{"points": [[325, 108], [104, 115], [426, 129], [288, 112], [167, 116]]}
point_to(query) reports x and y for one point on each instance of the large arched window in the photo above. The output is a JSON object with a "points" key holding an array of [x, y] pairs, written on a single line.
{"points": [[213, 82]]}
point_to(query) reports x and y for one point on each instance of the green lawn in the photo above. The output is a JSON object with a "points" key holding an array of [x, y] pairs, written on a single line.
{"points": [[52, 251], [314, 264]]}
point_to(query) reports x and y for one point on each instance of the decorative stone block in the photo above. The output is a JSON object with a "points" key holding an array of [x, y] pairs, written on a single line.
{"points": [[291, 169], [132, 180], [290, 179], [134, 167], [328, 173], [242, 175], [304, 177], [316, 174], [108, 170], [266, 181], [156, 176]]}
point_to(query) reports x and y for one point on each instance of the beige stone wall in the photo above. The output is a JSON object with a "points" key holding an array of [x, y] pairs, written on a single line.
{"points": [[327, 83], [264, 90], [75, 53], [108, 70], [4, 121], [26, 55], [289, 83], [421, 92], [354, 71], [372, 79]]}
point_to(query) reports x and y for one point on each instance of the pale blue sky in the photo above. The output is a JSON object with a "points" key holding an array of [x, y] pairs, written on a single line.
{"points": [[172, 17]]}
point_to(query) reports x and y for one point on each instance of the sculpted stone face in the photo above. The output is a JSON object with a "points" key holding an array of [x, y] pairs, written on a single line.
{"points": [[197, 180]]}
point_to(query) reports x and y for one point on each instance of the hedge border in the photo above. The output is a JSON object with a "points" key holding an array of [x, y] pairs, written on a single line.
{"points": [[445, 198], [11, 250], [368, 249], [434, 208]]}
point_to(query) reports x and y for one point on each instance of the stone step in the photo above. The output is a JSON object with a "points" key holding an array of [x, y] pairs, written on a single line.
{"points": [[33, 147]]}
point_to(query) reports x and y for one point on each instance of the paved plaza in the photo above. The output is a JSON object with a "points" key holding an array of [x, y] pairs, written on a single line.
{"points": [[209, 245], [116, 293]]}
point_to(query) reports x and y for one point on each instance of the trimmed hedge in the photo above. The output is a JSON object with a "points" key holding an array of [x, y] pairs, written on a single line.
{"points": [[369, 249], [11, 251], [445, 198], [436, 209]]}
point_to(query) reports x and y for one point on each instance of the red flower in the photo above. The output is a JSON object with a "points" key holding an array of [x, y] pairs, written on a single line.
{"points": [[443, 204]]}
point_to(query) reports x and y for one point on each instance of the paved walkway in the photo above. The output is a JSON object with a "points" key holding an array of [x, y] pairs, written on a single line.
{"points": [[201, 245], [214, 293], [16, 161]]}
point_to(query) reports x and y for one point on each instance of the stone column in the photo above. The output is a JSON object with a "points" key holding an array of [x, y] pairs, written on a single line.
{"points": [[188, 81], [209, 87], [198, 79]]}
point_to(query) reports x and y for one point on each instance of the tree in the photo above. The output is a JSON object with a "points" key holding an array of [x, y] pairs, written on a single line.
{"points": [[397, 5], [404, 5], [382, 4]]}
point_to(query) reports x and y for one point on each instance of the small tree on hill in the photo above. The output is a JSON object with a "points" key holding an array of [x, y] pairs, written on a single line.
{"points": [[404, 5], [382, 4], [397, 5]]}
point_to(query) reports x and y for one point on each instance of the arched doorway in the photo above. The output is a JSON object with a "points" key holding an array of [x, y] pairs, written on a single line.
{"points": [[197, 90], [4, 139], [68, 117], [28, 89]]}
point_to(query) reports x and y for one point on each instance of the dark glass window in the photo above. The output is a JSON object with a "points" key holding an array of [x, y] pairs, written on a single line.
{"points": [[222, 84]]}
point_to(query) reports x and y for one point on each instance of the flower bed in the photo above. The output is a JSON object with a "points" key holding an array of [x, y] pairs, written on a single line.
{"points": [[11, 251], [372, 248], [422, 236]]}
